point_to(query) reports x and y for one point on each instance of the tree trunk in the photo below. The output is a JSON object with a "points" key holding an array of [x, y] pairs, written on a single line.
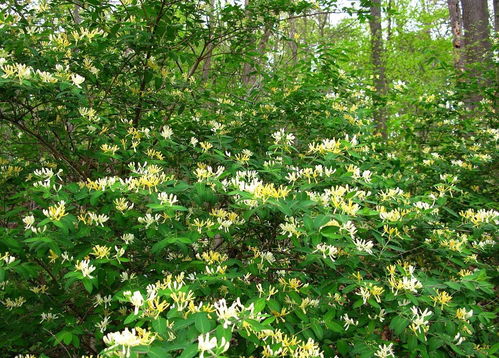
{"points": [[293, 43], [496, 16], [249, 77], [210, 45], [378, 68], [456, 24], [477, 48], [389, 16]]}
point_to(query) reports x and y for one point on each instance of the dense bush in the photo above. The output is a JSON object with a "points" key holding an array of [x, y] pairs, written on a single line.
{"points": [[311, 248], [272, 227]]}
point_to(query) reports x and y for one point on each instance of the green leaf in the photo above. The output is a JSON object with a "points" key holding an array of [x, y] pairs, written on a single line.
{"points": [[318, 331], [157, 352], [259, 305], [88, 285], [190, 351], [334, 326], [398, 324], [159, 326], [202, 322]]}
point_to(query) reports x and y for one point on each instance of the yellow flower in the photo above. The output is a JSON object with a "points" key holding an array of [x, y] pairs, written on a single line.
{"points": [[442, 298], [100, 252], [121, 204], [377, 291], [56, 212], [53, 256], [280, 315], [206, 146], [109, 149]]}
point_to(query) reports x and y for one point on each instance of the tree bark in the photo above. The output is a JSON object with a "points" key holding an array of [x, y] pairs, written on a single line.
{"points": [[293, 43], [377, 58], [496, 16], [249, 77], [477, 48], [210, 46], [389, 20], [456, 24]]}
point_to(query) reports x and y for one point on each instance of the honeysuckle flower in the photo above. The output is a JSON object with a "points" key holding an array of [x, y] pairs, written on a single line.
{"points": [[282, 138], [28, 221], [349, 321], [128, 238], [136, 299], [458, 339], [327, 251], [13, 303], [56, 212], [228, 314], [85, 268], [442, 298], [169, 199], [149, 219], [384, 351], [364, 293], [419, 323], [207, 344], [102, 325], [166, 132], [127, 339], [48, 316], [364, 245], [77, 79], [464, 315], [121, 204]]}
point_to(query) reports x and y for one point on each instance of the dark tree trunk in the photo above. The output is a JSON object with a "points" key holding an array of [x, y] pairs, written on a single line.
{"points": [[496, 16], [249, 77], [456, 24], [293, 43], [377, 54], [477, 48], [209, 46], [389, 20]]}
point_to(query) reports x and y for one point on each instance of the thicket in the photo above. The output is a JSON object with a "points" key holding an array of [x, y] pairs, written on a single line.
{"points": [[172, 190]]}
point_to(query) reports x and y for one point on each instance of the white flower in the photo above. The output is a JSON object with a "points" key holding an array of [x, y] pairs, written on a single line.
{"points": [[148, 219], [364, 245], [128, 238], [136, 299], [459, 339], [77, 79], [166, 132], [102, 325], [365, 294], [420, 319], [385, 351], [349, 321], [128, 339], [48, 316], [283, 138], [327, 251], [366, 175], [29, 221], [225, 313], [98, 220], [207, 344], [85, 268], [165, 198]]}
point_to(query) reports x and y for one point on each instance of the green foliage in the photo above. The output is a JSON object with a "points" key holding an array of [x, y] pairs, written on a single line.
{"points": [[150, 211]]}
